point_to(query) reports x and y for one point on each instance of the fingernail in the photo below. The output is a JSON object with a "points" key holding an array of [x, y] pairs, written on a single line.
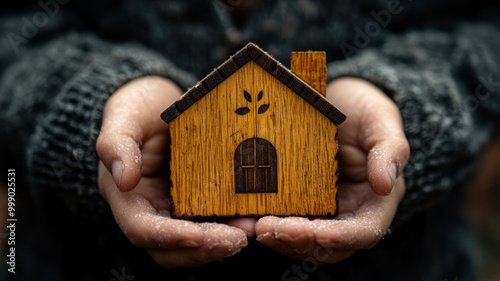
{"points": [[287, 238], [392, 173], [220, 250], [189, 244], [117, 170], [328, 244], [242, 243], [260, 237], [300, 241]]}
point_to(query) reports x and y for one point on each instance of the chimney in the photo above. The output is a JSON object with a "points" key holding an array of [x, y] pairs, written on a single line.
{"points": [[310, 67]]}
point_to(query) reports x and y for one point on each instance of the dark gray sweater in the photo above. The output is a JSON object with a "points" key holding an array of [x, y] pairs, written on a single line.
{"points": [[438, 60]]}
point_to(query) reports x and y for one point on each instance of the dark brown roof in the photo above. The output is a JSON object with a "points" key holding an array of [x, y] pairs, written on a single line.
{"points": [[252, 52]]}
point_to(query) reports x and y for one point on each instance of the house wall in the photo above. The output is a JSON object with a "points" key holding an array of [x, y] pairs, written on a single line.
{"points": [[206, 135]]}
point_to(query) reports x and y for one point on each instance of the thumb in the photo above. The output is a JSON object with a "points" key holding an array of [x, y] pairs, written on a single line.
{"points": [[387, 146], [386, 161], [131, 116], [375, 125]]}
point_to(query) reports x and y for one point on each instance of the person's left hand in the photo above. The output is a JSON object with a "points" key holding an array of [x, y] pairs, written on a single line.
{"points": [[373, 154]]}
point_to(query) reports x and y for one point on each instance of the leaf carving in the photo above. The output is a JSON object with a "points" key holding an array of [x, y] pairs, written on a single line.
{"points": [[242, 110], [259, 97], [263, 108], [248, 97]]}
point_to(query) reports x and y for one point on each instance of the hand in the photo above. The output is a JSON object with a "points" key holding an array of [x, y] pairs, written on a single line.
{"points": [[373, 154], [133, 177]]}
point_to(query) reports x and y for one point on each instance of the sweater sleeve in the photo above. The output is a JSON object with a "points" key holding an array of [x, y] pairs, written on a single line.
{"points": [[446, 85], [55, 95]]}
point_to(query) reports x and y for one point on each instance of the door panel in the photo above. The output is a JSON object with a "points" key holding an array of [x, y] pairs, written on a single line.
{"points": [[255, 167]]}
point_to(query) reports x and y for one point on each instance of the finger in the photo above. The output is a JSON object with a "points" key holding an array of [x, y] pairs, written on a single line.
{"points": [[386, 160], [141, 222], [345, 235], [266, 226], [295, 238], [382, 136], [365, 227], [291, 236], [246, 224], [130, 116], [374, 123], [220, 241], [266, 234], [297, 232]]}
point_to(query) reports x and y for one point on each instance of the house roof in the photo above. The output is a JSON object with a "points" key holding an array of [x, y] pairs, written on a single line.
{"points": [[252, 52]]}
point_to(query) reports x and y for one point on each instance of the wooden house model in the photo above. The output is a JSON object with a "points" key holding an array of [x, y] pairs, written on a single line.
{"points": [[254, 138]]}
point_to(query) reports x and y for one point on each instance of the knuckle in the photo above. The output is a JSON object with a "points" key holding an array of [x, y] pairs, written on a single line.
{"points": [[102, 145], [99, 143], [405, 149]]}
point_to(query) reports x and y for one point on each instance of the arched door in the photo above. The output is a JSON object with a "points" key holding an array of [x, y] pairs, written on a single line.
{"points": [[255, 167]]}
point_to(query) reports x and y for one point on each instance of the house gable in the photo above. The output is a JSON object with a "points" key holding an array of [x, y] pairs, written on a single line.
{"points": [[252, 52]]}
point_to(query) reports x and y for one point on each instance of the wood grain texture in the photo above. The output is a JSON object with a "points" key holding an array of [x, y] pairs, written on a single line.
{"points": [[310, 67], [205, 137]]}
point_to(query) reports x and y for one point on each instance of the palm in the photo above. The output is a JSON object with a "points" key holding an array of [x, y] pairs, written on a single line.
{"points": [[134, 145], [354, 189], [370, 140], [153, 186]]}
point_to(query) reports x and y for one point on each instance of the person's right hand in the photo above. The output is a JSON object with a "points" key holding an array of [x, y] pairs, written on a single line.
{"points": [[133, 177], [373, 153]]}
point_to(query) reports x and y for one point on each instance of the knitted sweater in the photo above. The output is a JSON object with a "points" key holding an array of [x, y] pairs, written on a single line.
{"points": [[438, 61]]}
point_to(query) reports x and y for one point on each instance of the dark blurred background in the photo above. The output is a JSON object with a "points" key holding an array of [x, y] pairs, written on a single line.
{"points": [[483, 208]]}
